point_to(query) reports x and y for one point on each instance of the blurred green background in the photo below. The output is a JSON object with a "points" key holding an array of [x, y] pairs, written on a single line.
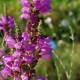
{"points": [[63, 25]]}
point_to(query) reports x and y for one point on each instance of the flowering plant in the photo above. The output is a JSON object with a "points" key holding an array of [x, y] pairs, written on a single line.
{"points": [[22, 51]]}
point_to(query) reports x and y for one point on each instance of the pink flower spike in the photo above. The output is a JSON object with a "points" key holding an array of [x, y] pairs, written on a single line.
{"points": [[24, 16]]}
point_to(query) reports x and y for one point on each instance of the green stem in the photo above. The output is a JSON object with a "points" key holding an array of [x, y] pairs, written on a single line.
{"points": [[71, 55], [62, 65], [57, 71], [2, 39]]}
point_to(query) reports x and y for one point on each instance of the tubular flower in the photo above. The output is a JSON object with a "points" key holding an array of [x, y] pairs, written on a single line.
{"points": [[43, 6], [6, 22], [23, 50]]}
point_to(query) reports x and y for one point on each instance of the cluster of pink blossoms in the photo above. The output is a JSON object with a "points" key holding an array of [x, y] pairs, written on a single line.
{"points": [[22, 51]]}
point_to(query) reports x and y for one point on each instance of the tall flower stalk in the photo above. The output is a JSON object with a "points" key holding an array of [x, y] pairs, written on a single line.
{"points": [[23, 50]]}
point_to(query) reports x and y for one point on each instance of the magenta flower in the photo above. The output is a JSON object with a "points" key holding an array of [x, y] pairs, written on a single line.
{"points": [[24, 77], [4, 20], [1, 52], [46, 50], [30, 48], [9, 21], [9, 41], [17, 54], [37, 4], [34, 19], [16, 78], [46, 5], [25, 37], [18, 45], [8, 60], [5, 72], [43, 6], [16, 65], [25, 2], [46, 56], [28, 59], [23, 50], [25, 10], [24, 16]]}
